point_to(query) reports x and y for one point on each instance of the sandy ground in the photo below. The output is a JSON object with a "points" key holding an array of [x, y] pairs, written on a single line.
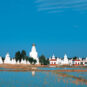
{"points": [[27, 68]]}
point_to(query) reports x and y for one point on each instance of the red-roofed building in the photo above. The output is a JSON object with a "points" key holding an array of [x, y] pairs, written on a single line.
{"points": [[53, 60], [77, 62]]}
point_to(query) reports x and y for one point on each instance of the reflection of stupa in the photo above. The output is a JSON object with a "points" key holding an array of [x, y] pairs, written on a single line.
{"points": [[34, 53], [33, 73]]}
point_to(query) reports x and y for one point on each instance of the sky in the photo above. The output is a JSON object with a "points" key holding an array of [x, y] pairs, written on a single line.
{"points": [[55, 26]]}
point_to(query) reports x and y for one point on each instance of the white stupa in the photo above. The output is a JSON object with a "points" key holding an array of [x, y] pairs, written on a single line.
{"points": [[27, 62], [34, 54], [86, 58], [59, 61], [18, 62], [1, 62], [13, 61], [65, 61], [23, 61], [53, 57], [7, 59]]}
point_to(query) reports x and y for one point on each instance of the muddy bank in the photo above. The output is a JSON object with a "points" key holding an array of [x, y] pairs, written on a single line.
{"points": [[27, 68], [75, 70]]}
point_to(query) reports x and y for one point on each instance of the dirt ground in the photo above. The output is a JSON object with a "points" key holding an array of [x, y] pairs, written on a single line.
{"points": [[27, 68]]}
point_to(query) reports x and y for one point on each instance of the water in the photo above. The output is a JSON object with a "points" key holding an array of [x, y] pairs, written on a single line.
{"points": [[39, 79], [59, 68], [78, 74]]}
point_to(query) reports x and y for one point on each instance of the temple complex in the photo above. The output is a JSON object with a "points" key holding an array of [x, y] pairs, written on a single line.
{"points": [[52, 60]]}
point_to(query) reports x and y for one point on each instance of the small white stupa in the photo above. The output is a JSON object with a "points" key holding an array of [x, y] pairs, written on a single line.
{"points": [[59, 61], [18, 62], [1, 61], [34, 53], [27, 62], [65, 60], [7, 59], [53, 57], [13, 61], [86, 58], [23, 61]]}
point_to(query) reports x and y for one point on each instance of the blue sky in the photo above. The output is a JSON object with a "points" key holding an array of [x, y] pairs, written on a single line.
{"points": [[55, 26]]}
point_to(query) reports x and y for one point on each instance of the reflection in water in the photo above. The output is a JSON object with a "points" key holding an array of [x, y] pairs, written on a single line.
{"points": [[64, 81], [58, 79], [33, 73], [66, 78], [40, 79]]}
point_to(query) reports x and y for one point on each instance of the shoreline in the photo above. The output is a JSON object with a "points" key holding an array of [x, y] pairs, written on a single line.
{"points": [[29, 68]]}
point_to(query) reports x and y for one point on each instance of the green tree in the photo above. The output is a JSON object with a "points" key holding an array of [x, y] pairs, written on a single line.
{"points": [[47, 62], [18, 56], [31, 60], [34, 61], [23, 54], [74, 58], [27, 58], [3, 58], [43, 60]]}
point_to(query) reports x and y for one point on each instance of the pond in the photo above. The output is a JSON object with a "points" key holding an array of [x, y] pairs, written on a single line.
{"points": [[38, 79]]}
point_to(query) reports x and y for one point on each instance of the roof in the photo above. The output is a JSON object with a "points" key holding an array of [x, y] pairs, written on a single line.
{"points": [[52, 59], [77, 60]]}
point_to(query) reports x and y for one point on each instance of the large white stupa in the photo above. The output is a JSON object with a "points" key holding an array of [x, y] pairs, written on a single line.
{"points": [[34, 53]]}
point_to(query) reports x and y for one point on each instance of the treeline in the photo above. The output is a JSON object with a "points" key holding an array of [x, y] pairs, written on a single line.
{"points": [[22, 55]]}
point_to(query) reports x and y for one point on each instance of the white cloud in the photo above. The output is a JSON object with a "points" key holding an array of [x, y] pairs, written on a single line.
{"points": [[58, 5]]}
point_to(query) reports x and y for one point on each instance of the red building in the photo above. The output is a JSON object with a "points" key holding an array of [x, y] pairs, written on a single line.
{"points": [[77, 62], [53, 60]]}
